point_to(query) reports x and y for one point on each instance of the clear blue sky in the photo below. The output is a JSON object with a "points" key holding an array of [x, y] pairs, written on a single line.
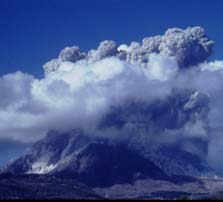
{"points": [[34, 31]]}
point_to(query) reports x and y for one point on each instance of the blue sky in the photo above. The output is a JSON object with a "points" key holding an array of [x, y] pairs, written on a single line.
{"points": [[34, 31]]}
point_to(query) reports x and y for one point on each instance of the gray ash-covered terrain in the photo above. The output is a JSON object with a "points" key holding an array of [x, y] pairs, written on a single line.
{"points": [[190, 188]]}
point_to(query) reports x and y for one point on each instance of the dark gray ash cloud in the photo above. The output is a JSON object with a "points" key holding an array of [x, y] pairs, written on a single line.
{"points": [[188, 47]]}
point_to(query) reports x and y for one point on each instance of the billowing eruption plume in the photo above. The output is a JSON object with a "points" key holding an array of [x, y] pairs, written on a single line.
{"points": [[188, 47], [158, 95]]}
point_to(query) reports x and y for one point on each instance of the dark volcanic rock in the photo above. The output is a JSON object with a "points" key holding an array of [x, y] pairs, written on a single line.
{"points": [[104, 164], [43, 187], [94, 161]]}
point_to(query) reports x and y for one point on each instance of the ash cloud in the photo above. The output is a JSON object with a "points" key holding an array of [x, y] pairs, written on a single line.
{"points": [[161, 90], [188, 47]]}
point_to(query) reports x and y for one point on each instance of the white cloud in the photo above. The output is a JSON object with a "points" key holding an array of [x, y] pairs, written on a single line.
{"points": [[161, 67]]}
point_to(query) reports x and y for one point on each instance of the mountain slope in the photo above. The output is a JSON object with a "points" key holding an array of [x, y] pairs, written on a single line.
{"points": [[94, 161], [166, 131]]}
